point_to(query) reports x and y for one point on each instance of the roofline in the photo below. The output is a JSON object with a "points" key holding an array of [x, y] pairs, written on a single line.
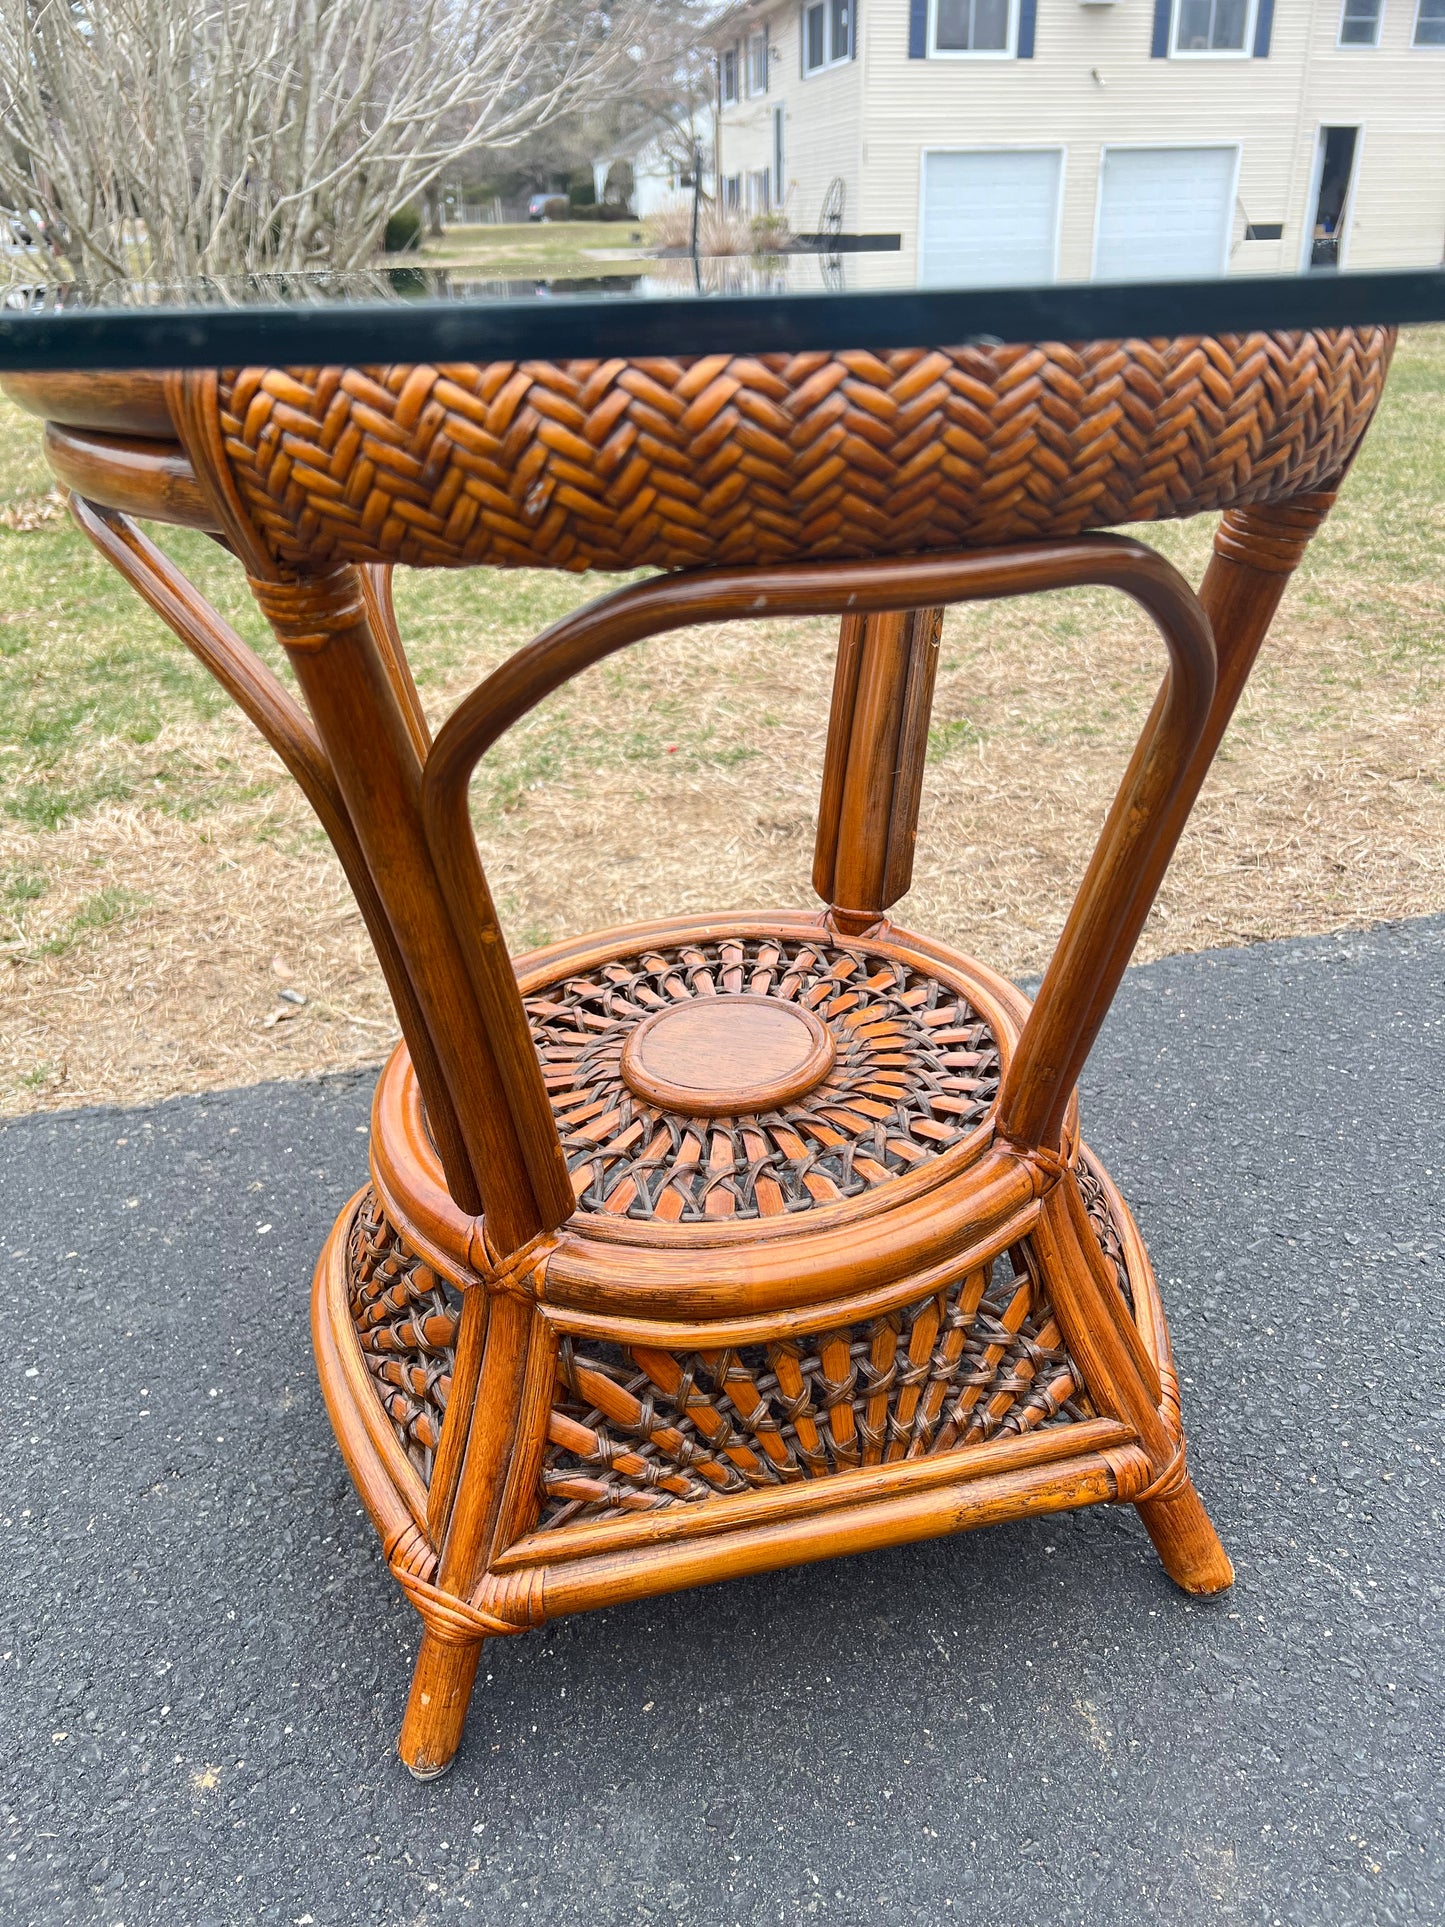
{"points": [[738, 16]]}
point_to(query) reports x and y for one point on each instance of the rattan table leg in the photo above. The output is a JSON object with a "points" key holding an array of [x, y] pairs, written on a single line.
{"points": [[436, 1708], [873, 765], [1188, 1546]]}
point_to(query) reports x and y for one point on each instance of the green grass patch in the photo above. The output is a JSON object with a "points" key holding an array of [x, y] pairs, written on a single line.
{"points": [[564, 250], [99, 912], [24, 886], [947, 738]]}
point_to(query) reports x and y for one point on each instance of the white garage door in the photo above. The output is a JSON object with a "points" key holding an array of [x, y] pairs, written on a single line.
{"points": [[1164, 212], [990, 220]]}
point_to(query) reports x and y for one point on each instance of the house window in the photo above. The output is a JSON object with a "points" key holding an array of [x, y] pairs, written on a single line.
{"points": [[974, 26], [827, 34], [732, 192], [759, 196], [1430, 23], [729, 76], [1360, 23], [1213, 26], [758, 63]]}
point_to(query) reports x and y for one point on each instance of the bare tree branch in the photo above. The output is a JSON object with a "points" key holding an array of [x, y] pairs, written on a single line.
{"points": [[184, 137]]}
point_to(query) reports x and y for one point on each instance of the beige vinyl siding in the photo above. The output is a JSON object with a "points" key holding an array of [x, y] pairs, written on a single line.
{"points": [[822, 128], [918, 104], [1092, 83], [1395, 95]]}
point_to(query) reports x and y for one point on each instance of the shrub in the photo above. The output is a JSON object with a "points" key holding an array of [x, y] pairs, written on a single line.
{"points": [[769, 231], [582, 189], [718, 232], [557, 209], [403, 231]]}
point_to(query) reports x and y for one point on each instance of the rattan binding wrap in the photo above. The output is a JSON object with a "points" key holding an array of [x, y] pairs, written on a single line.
{"points": [[682, 463]]}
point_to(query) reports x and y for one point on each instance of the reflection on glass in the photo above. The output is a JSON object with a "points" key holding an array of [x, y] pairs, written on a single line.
{"points": [[1430, 24]]}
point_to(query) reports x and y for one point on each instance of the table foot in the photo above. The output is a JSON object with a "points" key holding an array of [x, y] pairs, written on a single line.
{"points": [[436, 1710], [1188, 1546]]}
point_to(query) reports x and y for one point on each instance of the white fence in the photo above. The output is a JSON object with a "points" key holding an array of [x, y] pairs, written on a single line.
{"points": [[493, 213]]}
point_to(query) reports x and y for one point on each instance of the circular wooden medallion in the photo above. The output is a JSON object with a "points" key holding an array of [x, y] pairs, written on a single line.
{"points": [[727, 1056]]}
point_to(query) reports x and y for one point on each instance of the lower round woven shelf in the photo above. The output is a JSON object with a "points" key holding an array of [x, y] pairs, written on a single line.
{"points": [[748, 1085], [913, 1070]]}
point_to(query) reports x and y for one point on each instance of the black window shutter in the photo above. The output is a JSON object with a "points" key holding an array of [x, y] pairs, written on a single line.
{"points": [[1028, 10], [918, 29], [1263, 26], [1162, 11], [853, 29], [767, 60]]}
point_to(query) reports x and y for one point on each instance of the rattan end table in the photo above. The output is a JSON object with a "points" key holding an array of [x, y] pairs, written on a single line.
{"points": [[714, 1245]]}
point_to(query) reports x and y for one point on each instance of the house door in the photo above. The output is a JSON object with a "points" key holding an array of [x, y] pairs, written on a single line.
{"points": [[1165, 213], [990, 217], [1330, 197]]}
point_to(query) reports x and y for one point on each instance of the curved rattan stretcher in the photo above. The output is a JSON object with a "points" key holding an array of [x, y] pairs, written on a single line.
{"points": [[705, 1247]]}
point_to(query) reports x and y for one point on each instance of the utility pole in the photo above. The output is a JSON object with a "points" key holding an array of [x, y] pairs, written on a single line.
{"points": [[696, 190]]}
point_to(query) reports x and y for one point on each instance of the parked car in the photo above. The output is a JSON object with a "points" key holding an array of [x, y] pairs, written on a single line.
{"points": [[537, 206]]}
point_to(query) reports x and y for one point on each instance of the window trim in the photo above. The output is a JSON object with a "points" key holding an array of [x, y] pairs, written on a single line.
{"points": [[1243, 52], [992, 147], [1423, 46], [833, 60], [1180, 146], [1009, 51], [1361, 46]]}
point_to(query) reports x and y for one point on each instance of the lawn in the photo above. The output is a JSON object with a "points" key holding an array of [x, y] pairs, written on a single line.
{"points": [[160, 882], [538, 249]]}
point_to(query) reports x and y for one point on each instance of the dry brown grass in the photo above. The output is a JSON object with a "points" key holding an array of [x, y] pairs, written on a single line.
{"points": [[151, 917]]}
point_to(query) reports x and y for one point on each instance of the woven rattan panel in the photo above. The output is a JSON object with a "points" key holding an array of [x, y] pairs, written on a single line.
{"points": [[406, 1320], [915, 1072], [673, 464], [635, 1429]]}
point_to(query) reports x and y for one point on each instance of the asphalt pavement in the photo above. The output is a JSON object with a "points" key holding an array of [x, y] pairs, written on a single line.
{"points": [[203, 1661]]}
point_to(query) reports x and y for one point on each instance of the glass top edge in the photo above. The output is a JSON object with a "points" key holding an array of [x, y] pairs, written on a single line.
{"points": [[585, 325]]}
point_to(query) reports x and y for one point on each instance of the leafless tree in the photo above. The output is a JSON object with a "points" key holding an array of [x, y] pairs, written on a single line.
{"points": [[188, 137]]}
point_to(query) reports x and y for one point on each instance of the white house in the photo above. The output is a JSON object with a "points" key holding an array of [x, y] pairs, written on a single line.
{"points": [[657, 153], [1019, 141]]}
